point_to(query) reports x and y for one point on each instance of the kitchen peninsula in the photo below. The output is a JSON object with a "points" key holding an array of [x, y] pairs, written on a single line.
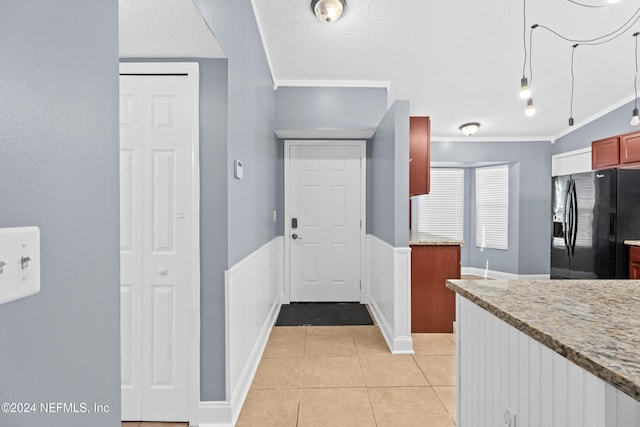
{"points": [[434, 259], [551, 352]]}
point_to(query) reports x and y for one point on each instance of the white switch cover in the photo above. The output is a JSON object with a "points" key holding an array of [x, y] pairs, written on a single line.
{"points": [[238, 169], [19, 262]]}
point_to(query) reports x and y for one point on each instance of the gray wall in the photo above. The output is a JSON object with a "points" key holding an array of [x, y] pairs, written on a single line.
{"points": [[388, 178], [213, 221], [315, 108], [251, 121], [250, 202], [59, 171], [213, 214], [613, 123], [530, 201]]}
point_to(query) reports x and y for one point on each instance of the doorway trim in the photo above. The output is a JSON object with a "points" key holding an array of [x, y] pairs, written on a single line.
{"points": [[192, 72], [286, 296]]}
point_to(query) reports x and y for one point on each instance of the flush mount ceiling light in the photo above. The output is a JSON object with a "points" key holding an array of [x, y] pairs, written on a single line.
{"points": [[470, 128], [328, 10]]}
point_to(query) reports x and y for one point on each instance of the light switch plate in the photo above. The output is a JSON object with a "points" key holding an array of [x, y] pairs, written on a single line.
{"points": [[20, 260], [238, 169]]}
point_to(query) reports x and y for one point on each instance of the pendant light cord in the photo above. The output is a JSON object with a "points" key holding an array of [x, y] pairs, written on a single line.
{"points": [[605, 38], [533, 27], [587, 5], [573, 78], [635, 79], [524, 35]]}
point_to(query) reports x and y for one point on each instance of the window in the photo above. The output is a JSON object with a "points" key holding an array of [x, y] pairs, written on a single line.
{"points": [[441, 212], [492, 207]]}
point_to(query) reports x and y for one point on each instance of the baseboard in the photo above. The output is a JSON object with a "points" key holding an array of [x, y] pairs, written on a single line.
{"points": [[214, 414], [382, 323], [501, 275]]}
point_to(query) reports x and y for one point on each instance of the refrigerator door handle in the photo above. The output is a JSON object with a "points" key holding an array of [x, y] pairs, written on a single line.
{"points": [[574, 215], [566, 221]]}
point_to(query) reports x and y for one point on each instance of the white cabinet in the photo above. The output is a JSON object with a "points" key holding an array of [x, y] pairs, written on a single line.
{"points": [[571, 162]]}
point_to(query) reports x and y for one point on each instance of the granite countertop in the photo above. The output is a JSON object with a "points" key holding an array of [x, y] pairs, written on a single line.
{"points": [[632, 242], [423, 239], [593, 323]]}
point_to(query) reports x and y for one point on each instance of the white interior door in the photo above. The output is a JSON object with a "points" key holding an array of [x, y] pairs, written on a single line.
{"points": [[325, 212], [156, 215]]}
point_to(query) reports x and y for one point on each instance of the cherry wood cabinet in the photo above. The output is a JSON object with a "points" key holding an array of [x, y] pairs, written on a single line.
{"points": [[419, 155], [605, 153], [634, 262], [616, 151], [433, 305], [630, 148]]}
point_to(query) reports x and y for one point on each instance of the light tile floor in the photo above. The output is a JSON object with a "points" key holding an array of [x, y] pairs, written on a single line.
{"points": [[346, 376]]}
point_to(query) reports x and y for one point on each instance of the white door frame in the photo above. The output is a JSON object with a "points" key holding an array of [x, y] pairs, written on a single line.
{"points": [[286, 297], [192, 72]]}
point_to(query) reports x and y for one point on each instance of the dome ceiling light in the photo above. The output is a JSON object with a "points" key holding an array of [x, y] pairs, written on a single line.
{"points": [[328, 10], [470, 128]]}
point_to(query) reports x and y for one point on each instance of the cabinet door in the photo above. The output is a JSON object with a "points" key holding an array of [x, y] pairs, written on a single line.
{"points": [[634, 262], [419, 155], [630, 148], [605, 153], [433, 305]]}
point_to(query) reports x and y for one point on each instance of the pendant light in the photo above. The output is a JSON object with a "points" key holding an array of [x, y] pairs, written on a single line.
{"points": [[531, 110], [525, 92], [328, 10], [635, 120]]}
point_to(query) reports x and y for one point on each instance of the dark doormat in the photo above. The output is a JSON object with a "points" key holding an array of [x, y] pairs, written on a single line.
{"points": [[323, 314]]}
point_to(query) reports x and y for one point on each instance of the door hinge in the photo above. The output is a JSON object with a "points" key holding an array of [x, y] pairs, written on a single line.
{"points": [[360, 284], [360, 224]]}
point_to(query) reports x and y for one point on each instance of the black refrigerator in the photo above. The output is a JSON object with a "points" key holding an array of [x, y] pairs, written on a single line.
{"points": [[593, 214]]}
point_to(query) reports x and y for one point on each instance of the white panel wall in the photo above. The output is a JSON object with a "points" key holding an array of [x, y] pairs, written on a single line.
{"points": [[500, 367], [253, 288], [388, 281], [571, 162]]}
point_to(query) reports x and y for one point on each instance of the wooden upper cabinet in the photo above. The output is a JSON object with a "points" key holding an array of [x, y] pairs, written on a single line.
{"points": [[419, 155], [605, 153], [630, 148]]}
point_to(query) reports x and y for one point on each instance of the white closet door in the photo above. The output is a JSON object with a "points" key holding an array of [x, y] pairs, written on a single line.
{"points": [[156, 244]]}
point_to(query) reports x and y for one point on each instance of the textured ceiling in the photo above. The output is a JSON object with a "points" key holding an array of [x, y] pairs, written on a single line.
{"points": [[461, 60], [165, 29]]}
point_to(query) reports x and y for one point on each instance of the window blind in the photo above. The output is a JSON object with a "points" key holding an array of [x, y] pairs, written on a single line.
{"points": [[441, 212], [492, 207]]}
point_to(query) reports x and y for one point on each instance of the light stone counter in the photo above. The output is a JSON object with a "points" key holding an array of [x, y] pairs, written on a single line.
{"points": [[632, 242], [426, 239], [593, 323]]}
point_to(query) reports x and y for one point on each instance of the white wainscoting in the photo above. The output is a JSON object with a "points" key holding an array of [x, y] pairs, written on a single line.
{"points": [[500, 367], [502, 276], [252, 304], [388, 280]]}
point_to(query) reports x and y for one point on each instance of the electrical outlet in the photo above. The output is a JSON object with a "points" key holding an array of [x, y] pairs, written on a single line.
{"points": [[509, 418]]}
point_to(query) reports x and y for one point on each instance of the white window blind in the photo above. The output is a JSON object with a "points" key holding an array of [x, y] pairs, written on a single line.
{"points": [[441, 212], [492, 207]]}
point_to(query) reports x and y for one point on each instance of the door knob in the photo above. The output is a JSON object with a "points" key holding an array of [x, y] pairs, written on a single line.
{"points": [[163, 271], [294, 236]]}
